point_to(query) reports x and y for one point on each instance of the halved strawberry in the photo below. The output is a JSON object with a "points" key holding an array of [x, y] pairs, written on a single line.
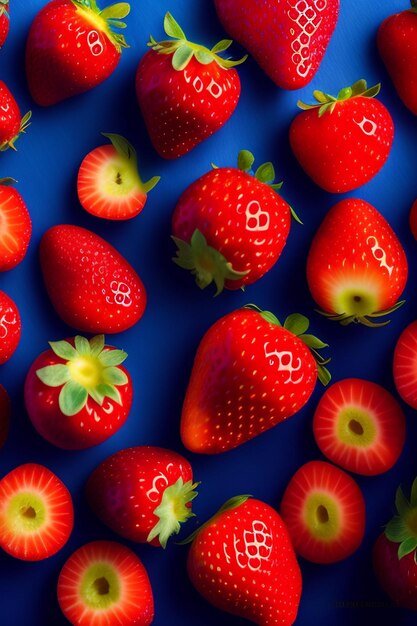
{"points": [[10, 327], [15, 226], [105, 584], [360, 426], [405, 365], [36, 513], [324, 511], [4, 415], [109, 184]]}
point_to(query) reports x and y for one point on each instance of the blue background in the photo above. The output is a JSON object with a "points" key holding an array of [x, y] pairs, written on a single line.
{"points": [[162, 346]]}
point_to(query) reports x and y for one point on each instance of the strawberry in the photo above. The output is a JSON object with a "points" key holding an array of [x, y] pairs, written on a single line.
{"points": [[324, 511], [12, 125], [109, 184], [343, 142], [72, 47], [230, 225], [92, 287], [360, 426], [36, 513], [405, 365], [77, 394], [144, 494], [15, 226], [10, 327], [104, 583], [249, 374], [186, 92], [4, 21], [397, 46], [242, 561], [413, 219], [5, 410], [287, 39], [395, 552], [356, 267]]}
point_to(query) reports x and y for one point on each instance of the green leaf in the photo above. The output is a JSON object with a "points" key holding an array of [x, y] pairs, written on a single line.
{"points": [[270, 317], [96, 395], [413, 499], [323, 374], [109, 391], [320, 97], [63, 349], [122, 145], [54, 375], [181, 57], [117, 24], [172, 28], [313, 342], [114, 376], [82, 345], [245, 160], [401, 503], [297, 324], [372, 91], [204, 57], [73, 398], [396, 530], [150, 184], [222, 45], [117, 11], [112, 357], [265, 173], [407, 546], [96, 345]]}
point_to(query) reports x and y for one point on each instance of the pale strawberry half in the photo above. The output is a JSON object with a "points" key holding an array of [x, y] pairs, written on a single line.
{"points": [[109, 184], [405, 365], [36, 513], [324, 511], [360, 426], [105, 584], [15, 226]]}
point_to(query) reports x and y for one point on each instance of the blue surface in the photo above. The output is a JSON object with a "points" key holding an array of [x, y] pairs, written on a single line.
{"points": [[161, 347]]}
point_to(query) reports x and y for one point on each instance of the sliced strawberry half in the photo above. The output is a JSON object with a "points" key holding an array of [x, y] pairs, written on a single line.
{"points": [[324, 511], [36, 513], [15, 226], [360, 426], [109, 184], [5, 409], [405, 365], [105, 584]]}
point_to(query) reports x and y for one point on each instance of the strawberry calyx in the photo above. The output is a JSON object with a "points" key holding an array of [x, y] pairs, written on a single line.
{"points": [[9, 143], [7, 181], [402, 528], [327, 103], [183, 50], [90, 370], [3, 8], [173, 510], [367, 319], [231, 504], [128, 156], [298, 325], [106, 20]]}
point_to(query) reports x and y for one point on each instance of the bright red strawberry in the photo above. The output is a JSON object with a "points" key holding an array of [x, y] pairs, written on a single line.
{"points": [[105, 584], [356, 267], [144, 494], [405, 365], [72, 47], [5, 410], [10, 327], [4, 21], [36, 513], [343, 142], [109, 184], [395, 552], [397, 45], [324, 511], [186, 92], [11, 122], [230, 226], [242, 561], [92, 287], [287, 39], [249, 374], [360, 426], [15, 226], [77, 394]]}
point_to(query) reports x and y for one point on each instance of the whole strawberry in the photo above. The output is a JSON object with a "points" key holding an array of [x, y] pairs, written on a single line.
{"points": [[15, 226], [287, 39], [78, 394], [186, 92], [144, 493], [72, 47], [395, 552], [343, 142], [243, 562], [92, 287], [10, 327], [249, 374], [4, 21], [11, 122], [397, 45], [356, 267], [230, 225]]}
